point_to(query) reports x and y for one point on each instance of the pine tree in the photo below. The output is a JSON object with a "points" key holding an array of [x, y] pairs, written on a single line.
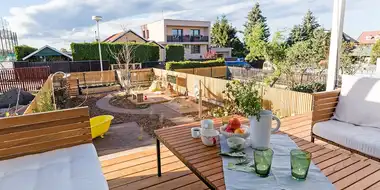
{"points": [[255, 17], [223, 34], [305, 30], [309, 25]]}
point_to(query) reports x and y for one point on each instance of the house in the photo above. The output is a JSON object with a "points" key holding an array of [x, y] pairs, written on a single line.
{"points": [[346, 37], [369, 37], [194, 35], [131, 36], [48, 53]]}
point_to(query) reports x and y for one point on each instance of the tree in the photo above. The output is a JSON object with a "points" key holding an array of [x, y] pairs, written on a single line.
{"points": [[255, 17], [307, 55], [375, 53], [304, 31], [238, 48], [256, 43], [223, 34], [275, 53], [350, 63], [64, 50]]}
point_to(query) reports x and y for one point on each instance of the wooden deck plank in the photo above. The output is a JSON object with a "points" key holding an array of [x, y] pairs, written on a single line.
{"points": [[138, 171], [357, 176], [366, 182]]}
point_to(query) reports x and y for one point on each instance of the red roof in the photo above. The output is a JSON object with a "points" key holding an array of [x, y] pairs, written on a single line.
{"points": [[113, 37], [369, 37]]}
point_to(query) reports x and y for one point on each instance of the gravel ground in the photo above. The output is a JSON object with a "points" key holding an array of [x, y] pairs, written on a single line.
{"points": [[148, 122], [121, 101]]}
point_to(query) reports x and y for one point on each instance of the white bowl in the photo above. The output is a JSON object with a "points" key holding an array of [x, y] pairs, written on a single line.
{"points": [[236, 143], [228, 135]]}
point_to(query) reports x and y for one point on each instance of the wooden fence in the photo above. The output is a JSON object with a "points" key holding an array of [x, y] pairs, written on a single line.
{"points": [[28, 79], [44, 95], [82, 79], [132, 66], [283, 102], [216, 72], [66, 66]]}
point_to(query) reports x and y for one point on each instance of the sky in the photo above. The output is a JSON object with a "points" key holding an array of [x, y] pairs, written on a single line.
{"points": [[60, 22]]}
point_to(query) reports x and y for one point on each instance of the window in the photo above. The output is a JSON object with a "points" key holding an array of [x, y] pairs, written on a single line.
{"points": [[147, 34], [195, 32], [144, 34], [177, 32], [195, 49]]}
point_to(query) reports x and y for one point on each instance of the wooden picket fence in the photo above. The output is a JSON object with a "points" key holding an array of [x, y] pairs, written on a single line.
{"points": [[28, 79], [282, 102]]}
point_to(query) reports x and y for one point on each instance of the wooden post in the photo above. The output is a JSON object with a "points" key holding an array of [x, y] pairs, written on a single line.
{"points": [[200, 99]]}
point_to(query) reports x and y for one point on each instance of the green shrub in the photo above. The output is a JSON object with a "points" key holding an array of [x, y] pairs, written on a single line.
{"points": [[175, 52], [22, 51], [194, 64], [310, 88], [141, 52]]}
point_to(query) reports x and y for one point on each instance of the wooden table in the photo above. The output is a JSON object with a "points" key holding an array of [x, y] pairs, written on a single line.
{"points": [[344, 170]]}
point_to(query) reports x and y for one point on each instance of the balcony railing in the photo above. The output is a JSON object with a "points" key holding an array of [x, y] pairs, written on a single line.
{"points": [[187, 38]]}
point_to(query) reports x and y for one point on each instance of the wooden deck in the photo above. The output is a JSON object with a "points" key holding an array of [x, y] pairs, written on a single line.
{"points": [[139, 170]]}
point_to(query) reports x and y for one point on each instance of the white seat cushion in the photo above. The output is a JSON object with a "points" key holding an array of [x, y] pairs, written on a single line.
{"points": [[362, 139], [74, 168], [359, 101]]}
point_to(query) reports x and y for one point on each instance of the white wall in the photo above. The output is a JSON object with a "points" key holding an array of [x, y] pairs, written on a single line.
{"points": [[189, 55], [157, 31]]}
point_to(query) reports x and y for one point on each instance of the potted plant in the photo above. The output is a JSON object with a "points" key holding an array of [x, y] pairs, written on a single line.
{"points": [[244, 98]]}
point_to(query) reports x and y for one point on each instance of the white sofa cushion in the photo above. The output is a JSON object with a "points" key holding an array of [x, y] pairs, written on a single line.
{"points": [[362, 139], [74, 168], [359, 101]]}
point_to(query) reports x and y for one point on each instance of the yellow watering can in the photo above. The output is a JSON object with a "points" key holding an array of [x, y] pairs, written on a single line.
{"points": [[100, 125]]}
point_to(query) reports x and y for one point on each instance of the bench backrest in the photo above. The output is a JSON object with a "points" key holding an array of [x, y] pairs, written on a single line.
{"points": [[41, 132]]}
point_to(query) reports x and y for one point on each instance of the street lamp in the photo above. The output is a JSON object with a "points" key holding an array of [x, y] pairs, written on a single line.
{"points": [[97, 19]]}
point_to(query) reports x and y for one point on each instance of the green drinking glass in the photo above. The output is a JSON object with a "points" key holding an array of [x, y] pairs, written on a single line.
{"points": [[300, 162], [263, 161]]}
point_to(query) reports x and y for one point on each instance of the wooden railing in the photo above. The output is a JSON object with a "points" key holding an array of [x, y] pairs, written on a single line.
{"points": [[42, 99], [283, 102]]}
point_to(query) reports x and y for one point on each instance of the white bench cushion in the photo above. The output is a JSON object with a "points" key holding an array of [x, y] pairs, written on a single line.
{"points": [[74, 168], [362, 139], [359, 101]]}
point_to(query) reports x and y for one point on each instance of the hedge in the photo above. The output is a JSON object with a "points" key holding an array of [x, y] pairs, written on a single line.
{"points": [[175, 52], [194, 64], [22, 51], [141, 52]]}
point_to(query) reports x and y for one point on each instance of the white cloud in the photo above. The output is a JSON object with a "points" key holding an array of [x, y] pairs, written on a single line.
{"points": [[60, 22]]}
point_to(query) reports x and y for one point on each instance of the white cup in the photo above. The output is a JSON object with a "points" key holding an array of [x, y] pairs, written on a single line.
{"points": [[196, 132]]}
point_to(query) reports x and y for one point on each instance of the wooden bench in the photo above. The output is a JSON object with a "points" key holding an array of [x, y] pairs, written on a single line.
{"points": [[42, 132]]}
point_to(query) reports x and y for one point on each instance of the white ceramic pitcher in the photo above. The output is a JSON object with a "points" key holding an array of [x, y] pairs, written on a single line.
{"points": [[262, 129]]}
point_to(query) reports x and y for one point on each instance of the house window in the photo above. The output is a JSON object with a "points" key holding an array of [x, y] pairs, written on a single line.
{"points": [[195, 32], [177, 32], [195, 49], [144, 34], [147, 34]]}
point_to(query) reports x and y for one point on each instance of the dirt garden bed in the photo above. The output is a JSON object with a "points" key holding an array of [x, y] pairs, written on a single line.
{"points": [[148, 122]]}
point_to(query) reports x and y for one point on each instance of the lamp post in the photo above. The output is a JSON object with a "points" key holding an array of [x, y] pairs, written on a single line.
{"points": [[97, 19]]}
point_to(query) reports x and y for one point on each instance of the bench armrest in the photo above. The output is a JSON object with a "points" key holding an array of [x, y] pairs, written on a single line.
{"points": [[324, 104]]}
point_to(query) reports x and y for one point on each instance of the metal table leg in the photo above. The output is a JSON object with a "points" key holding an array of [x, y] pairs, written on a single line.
{"points": [[158, 157]]}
